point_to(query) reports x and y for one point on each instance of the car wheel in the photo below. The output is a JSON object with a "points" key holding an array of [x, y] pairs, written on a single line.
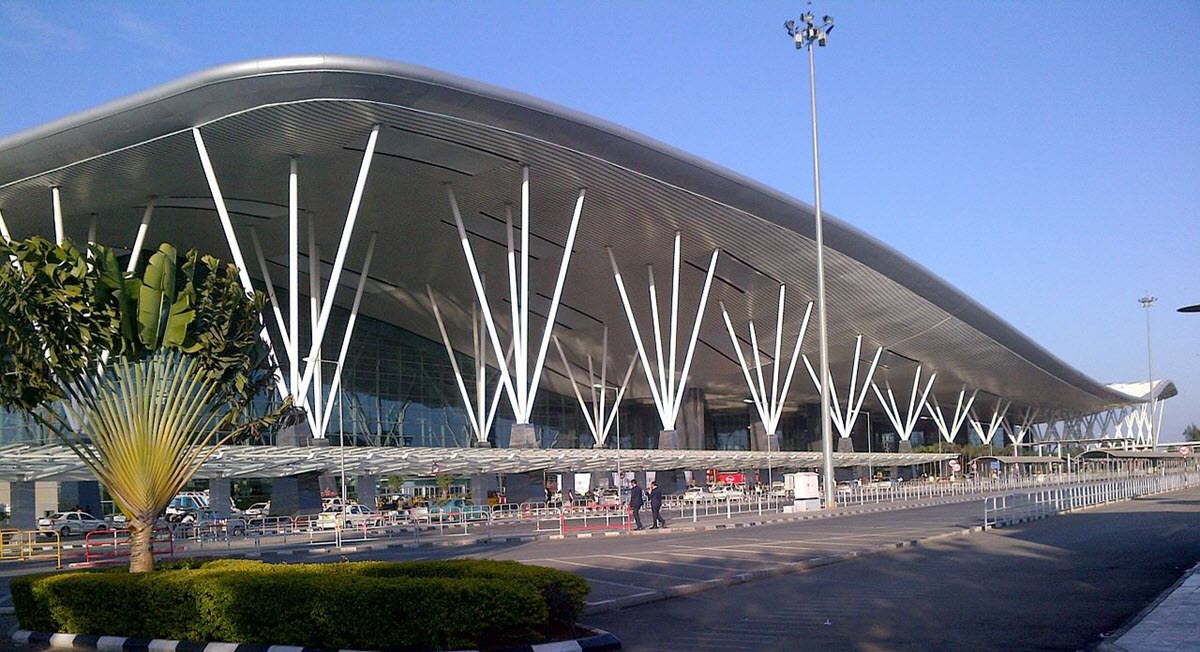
{"points": [[100, 528], [238, 531], [65, 532]]}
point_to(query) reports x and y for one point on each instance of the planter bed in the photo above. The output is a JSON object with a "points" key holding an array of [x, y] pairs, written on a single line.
{"points": [[440, 605]]}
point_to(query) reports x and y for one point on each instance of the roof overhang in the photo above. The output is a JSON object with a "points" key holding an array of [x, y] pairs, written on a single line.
{"points": [[440, 128]]}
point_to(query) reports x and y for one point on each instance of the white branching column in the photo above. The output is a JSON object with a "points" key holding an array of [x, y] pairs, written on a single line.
{"points": [[905, 422], [844, 420], [1018, 430], [521, 382], [598, 414], [948, 428], [304, 382], [769, 404], [666, 386], [480, 407], [987, 431]]}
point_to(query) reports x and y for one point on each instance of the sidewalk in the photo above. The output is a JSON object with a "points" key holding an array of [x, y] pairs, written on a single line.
{"points": [[1170, 624]]}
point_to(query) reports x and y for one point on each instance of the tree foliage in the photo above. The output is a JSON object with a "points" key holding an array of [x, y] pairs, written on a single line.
{"points": [[1191, 433], [136, 374]]}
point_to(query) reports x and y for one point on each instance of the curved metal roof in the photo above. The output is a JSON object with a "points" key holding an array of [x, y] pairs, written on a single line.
{"points": [[439, 128]]}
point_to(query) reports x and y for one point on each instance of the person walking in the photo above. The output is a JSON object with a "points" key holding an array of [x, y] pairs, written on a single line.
{"points": [[636, 498], [656, 500]]}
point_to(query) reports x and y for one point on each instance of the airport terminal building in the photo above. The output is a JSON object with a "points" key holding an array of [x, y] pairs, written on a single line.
{"points": [[418, 231]]}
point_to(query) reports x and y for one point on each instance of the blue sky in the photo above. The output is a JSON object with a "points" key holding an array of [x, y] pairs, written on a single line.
{"points": [[1040, 156]]}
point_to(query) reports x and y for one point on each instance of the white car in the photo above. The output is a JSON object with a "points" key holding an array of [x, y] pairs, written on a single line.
{"points": [[697, 495], [207, 520], [69, 523], [726, 493], [350, 516], [609, 497], [259, 509]]}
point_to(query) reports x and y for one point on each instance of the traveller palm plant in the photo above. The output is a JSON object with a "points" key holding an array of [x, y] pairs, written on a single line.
{"points": [[141, 377]]}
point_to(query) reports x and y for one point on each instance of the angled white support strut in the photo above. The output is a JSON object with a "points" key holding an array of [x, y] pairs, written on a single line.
{"points": [[949, 428], [231, 239], [988, 431], [844, 421], [666, 388], [905, 422], [481, 412], [768, 403], [599, 418], [521, 390]]}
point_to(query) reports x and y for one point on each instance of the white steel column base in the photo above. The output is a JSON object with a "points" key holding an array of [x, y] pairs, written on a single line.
{"points": [[524, 435], [845, 445], [905, 446]]}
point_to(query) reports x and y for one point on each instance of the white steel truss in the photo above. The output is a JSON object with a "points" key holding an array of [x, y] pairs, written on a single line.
{"points": [[844, 421], [481, 411], [961, 410], [140, 239], [769, 404], [988, 431], [1018, 431], [56, 200], [521, 390], [905, 422], [598, 415], [305, 373], [666, 387]]}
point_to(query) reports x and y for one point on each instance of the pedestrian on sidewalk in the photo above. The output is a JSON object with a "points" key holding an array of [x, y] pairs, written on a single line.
{"points": [[656, 500], [636, 498]]}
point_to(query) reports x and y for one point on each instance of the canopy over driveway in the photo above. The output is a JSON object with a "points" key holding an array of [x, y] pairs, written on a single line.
{"points": [[30, 462]]}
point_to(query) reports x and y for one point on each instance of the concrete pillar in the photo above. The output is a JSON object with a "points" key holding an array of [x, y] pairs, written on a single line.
{"points": [[84, 493], [219, 492], [22, 506], [905, 446], [367, 488], [524, 435], [845, 445], [296, 494], [567, 483], [691, 420], [525, 487], [481, 484], [668, 440]]}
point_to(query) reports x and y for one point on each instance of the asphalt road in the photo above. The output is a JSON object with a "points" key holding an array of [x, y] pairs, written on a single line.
{"points": [[1055, 584]]}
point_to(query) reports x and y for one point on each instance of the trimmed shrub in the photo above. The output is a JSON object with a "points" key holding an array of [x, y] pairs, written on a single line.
{"points": [[372, 605]]}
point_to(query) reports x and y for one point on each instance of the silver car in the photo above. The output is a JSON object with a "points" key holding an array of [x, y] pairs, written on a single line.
{"points": [[71, 523]]}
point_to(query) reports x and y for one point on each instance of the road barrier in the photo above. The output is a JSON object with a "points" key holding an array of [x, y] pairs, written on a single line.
{"points": [[1029, 505], [112, 546], [592, 518]]}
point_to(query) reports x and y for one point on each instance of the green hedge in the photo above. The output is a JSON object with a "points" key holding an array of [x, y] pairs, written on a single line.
{"points": [[372, 605]]}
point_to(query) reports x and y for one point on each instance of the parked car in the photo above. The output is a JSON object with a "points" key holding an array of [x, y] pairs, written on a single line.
{"points": [[726, 492], [206, 519], [71, 523], [845, 488], [697, 495], [259, 509], [609, 497], [350, 516]]}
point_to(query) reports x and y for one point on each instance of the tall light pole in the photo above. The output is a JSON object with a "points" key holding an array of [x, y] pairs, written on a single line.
{"points": [[1148, 302], [617, 418], [806, 36]]}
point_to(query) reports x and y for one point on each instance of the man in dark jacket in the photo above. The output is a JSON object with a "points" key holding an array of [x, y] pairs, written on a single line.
{"points": [[656, 500], [636, 499]]}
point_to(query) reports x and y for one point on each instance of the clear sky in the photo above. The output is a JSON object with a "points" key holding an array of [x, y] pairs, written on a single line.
{"points": [[1044, 157]]}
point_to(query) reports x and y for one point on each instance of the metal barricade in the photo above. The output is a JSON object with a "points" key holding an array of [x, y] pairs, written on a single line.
{"points": [[33, 549], [592, 518], [111, 546], [11, 544]]}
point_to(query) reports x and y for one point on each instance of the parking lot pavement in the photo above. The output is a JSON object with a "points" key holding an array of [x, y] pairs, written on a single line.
{"points": [[1057, 583], [646, 567]]}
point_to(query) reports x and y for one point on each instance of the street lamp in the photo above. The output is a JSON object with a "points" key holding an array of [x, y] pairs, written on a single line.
{"points": [[617, 417], [1148, 302], [804, 37], [341, 426]]}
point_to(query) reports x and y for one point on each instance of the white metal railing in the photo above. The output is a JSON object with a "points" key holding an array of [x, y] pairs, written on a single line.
{"points": [[1028, 505]]}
